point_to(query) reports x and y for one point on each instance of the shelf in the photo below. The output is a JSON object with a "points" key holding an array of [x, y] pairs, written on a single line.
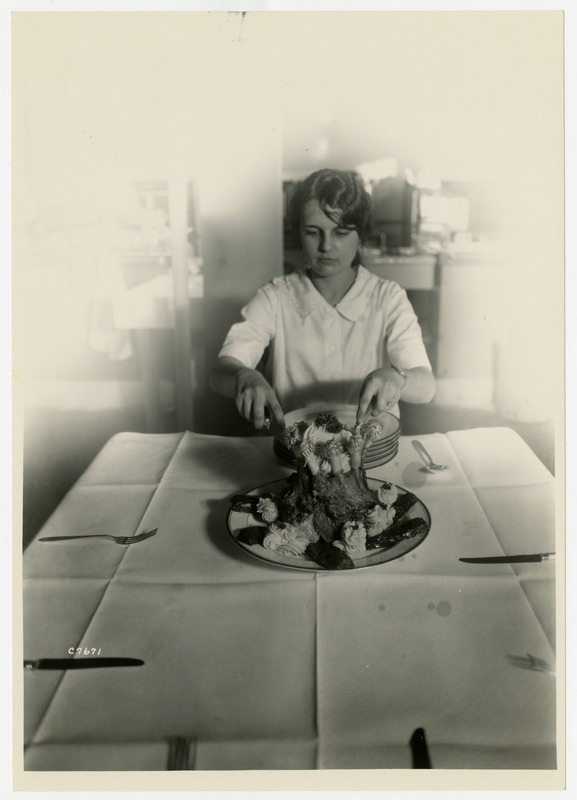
{"points": [[410, 272]]}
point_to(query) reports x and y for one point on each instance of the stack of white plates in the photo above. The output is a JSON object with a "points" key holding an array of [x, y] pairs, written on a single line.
{"points": [[379, 452]]}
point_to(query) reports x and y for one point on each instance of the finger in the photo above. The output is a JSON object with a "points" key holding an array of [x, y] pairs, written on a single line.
{"points": [[383, 407], [258, 414], [239, 402], [244, 405], [276, 411], [364, 407], [390, 403], [381, 401]]}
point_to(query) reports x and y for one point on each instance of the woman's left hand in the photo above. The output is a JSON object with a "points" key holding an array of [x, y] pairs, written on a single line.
{"points": [[381, 391]]}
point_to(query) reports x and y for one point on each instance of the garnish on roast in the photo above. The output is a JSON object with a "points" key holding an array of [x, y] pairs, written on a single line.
{"points": [[327, 512]]}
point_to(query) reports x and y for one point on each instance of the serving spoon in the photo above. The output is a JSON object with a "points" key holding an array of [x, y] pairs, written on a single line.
{"points": [[429, 463]]}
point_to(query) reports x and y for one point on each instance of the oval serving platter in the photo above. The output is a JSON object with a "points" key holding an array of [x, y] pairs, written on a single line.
{"points": [[237, 520]]}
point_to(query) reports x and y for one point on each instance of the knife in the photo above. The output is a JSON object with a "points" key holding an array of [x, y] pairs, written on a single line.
{"points": [[81, 663], [419, 750], [272, 426], [510, 559]]}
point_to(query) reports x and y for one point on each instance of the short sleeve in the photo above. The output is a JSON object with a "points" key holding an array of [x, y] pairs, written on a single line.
{"points": [[247, 340], [404, 339]]}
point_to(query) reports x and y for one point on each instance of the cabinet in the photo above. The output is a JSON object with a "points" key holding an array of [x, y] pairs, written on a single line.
{"points": [[420, 276], [160, 296], [469, 319]]}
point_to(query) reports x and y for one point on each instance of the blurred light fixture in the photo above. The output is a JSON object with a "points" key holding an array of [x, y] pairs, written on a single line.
{"points": [[452, 211], [374, 171], [428, 178], [410, 176]]}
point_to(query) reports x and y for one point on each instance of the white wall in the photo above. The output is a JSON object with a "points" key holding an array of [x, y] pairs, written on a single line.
{"points": [[234, 100], [103, 100]]}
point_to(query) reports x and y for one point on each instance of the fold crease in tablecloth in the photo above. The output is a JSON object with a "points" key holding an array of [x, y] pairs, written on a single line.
{"points": [[238, 652]]}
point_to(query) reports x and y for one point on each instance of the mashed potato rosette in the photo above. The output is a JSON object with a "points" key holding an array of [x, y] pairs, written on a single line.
{"points": [[267, 509], [378, 519], [353, 538], [290, 540], [387, 494]]}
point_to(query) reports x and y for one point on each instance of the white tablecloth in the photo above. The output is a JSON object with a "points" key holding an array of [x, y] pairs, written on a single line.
{"points": [[263, 668]]}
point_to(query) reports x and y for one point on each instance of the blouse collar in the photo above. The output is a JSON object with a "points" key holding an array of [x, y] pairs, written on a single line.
{"points": [[308, 299]]}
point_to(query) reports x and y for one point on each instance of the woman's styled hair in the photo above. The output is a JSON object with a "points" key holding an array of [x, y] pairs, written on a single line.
{"points": [[342, 197]]}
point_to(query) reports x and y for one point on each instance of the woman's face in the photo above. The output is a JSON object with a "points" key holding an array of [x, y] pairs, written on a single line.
{"points": [[329, 248]]}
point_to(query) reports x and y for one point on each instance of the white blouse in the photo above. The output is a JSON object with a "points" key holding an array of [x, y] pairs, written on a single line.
{"points": [[321, 354]]}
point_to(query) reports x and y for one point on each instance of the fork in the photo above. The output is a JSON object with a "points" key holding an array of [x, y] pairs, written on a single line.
{"points": [[139, 537]]}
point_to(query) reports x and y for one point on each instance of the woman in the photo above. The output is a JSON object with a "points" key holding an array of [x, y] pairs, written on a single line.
{"points": [[336, 333]]}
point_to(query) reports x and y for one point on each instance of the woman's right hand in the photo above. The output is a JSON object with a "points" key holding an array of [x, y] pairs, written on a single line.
{"points": [[255, 398]]}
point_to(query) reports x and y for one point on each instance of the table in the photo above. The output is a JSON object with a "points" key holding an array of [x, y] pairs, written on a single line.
{"points": [[250, 666]]}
